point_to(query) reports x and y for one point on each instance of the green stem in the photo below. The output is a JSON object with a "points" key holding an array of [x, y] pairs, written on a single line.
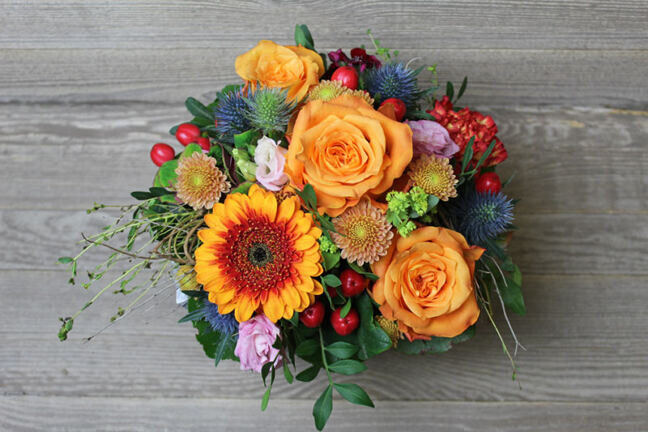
{"points": [[103, 290], [325, 363]]}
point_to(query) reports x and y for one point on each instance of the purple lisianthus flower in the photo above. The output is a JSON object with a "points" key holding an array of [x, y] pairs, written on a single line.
{"points": [[429, 137], [254, 345]]}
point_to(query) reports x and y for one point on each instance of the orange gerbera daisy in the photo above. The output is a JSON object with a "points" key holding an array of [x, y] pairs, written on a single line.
{"points": [[259, 255]]}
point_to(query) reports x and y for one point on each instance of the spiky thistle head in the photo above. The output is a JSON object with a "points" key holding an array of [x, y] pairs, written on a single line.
{"points": [[231, 114], [269, 110], [483, 216], [226, 324], [393, 80]]}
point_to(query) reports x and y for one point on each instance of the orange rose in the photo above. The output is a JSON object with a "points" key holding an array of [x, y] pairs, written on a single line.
{"points": [[426, 283], [294, 68], [345, 149]]}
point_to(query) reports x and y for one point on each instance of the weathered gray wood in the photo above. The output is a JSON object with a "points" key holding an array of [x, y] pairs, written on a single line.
{"points": [[546, 243], [498, 77], [20, 413], [585, 338], [564, 160], [210, 24]]}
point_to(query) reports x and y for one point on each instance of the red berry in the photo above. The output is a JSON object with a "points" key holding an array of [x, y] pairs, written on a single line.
{"points": [[399, 107], [332, 291], [347, 75], [161, 153], [353, 283], [187, 133], [313, 315], [204, 143], [348, 324], [488, 182]]}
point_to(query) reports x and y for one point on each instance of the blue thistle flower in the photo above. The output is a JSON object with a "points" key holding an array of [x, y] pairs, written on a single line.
{"points": [[225, 324], [483, 216], [392, 81], [230, 114], [268, 110]]}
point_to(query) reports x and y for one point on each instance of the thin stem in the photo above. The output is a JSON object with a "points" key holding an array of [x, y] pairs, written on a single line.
{"points": [[499, 335], [328, 373], [103, 290], [508, 322]]}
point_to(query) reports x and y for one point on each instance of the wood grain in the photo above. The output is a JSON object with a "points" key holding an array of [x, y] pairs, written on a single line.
{"points": [[545, 243], [584, 335], [497, 77], [93, 153], [165, 414], [210, 24]]}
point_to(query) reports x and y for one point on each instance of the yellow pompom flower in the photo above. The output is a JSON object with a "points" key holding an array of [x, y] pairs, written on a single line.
{"points": [[434, 175], [258, 254]]}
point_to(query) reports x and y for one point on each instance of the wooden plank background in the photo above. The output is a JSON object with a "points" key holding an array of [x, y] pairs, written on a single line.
{"points": [[86, 87]]}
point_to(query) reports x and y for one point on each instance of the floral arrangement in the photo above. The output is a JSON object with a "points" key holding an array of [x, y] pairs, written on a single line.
{"points": [[326, 213]]}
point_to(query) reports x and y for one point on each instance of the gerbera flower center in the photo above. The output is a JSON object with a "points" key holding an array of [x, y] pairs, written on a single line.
{"points": [[259, 254]]}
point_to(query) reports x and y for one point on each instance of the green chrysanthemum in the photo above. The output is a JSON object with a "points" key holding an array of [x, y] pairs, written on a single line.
{"points": [[268, 110], [328, 90], [435, 176]]}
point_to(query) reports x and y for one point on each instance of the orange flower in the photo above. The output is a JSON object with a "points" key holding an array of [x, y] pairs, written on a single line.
{"points": [[426, 283], [293, 68], [345, 149], [257, 254]]}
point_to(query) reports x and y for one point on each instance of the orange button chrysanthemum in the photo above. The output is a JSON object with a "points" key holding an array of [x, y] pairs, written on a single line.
{"points": [[259, 255]]}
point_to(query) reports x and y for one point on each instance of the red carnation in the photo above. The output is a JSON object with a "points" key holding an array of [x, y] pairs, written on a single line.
{"points": [[463, 125]]}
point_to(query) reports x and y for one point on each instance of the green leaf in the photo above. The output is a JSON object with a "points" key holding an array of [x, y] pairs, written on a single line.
{"points": [[308, 195], [362, 271], [266, 399], [449, 90], [485, 155], [166, 175], [372, 340], [141, 195], [345, 309], [323, 407], [66, 327], [467, 155], [191, 149], [197, 109], [193, 316], [287, 374], [209, 338], [202, 122], [348, 367], [220, 348], [330, 260], [462, 89], [342, 350], [512, 296], [435, 344], [294, 320], [307, 348], [265, 370], [243, 188], [309, 374], [303, 37], [246, 139], [332, 280], [65, 260], [354, 394]]}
